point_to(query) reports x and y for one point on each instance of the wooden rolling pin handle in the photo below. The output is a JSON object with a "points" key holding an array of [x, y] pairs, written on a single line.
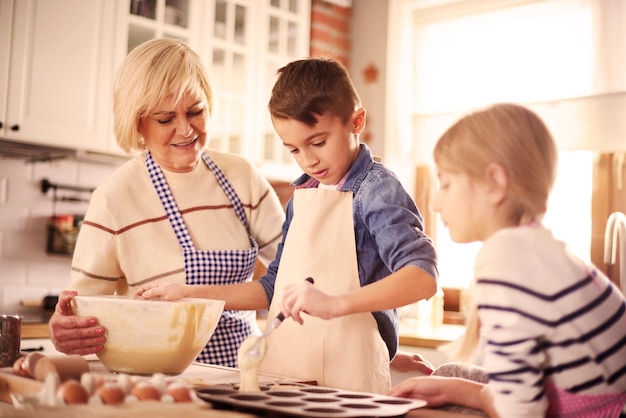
{"points": [[66, 366]]}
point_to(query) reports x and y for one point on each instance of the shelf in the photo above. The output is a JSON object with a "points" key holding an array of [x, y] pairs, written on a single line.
{"points": [[30, 331], [429, 337]]}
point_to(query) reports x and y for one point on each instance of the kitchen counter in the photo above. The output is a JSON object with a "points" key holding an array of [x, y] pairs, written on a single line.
{"points": [[410, 335], [145, 409], [32, 330], [150, 409], [429, 337]]}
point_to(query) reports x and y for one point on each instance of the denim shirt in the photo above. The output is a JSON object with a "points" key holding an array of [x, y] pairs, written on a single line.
{"points": [[388, 229]]}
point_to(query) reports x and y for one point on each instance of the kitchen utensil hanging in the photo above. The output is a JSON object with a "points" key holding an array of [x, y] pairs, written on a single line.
{"points": [[63, 229]]}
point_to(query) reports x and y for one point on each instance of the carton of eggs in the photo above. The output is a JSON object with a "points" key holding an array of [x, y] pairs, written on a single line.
{"points": [[96, 389]]}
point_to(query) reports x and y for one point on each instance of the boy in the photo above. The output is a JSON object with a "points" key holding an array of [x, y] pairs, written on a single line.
{"points": [[351, 226]]}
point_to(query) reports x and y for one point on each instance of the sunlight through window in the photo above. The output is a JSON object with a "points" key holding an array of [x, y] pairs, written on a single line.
{"points": [[540, 51], [535, 52]]}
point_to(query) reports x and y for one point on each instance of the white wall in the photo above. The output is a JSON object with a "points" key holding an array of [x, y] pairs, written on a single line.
{"points": [[368, 35], [26, 271]]}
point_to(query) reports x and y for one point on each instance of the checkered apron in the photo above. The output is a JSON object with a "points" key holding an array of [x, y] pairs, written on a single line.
{"points": [[216, 267]]}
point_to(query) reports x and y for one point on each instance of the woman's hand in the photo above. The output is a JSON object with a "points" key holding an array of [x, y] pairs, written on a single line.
{"points": [[408, 362], [72, 334], [164, 291]]}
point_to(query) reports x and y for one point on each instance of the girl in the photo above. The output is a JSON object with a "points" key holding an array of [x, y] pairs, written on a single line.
{"points": [[549, 328]]}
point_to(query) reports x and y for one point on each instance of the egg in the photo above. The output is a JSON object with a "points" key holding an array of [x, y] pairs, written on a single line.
{"points": [[125, 382], [72, 392], [146, 391], [159, 381], [28, 365], [179, 392], [91, 382], [111, 394], [17, 366]]}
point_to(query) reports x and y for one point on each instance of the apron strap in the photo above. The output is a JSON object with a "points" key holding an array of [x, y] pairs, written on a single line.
{"points": [[168, 202], [228, 189], [171, 208]]}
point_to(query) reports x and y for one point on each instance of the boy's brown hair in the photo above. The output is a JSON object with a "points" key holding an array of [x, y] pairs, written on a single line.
{"points": [[313, 86]]}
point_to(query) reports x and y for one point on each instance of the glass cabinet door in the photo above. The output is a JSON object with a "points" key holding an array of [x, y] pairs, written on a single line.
{"points": [[288, 38], [158, 18], [230, 53], [243, 43], [247, 44]]}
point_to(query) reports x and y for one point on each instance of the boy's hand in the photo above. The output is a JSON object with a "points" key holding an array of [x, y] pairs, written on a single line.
{"points": [[307, 298], [163, 290]]}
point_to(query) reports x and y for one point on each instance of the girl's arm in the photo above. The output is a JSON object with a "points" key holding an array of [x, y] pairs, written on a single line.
{"points": [[438, 391], [486, 400]]}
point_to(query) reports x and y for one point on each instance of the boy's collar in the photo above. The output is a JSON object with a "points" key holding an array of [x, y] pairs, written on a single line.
{"points": [[355, 174]]}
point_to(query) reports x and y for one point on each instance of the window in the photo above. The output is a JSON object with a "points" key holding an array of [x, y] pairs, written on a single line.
{"points": [[467, 54], [528, 53]]}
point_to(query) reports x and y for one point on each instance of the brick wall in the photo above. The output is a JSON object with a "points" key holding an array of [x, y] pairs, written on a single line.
{"points": [[330, 30], [334, 26]]}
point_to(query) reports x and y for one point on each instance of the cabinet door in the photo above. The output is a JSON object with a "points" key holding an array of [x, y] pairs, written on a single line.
{"points": [[59, 90], [6, 15], [246, 42]]}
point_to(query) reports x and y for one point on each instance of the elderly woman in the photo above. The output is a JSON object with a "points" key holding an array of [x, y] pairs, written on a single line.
{"points": [[177, 212]]}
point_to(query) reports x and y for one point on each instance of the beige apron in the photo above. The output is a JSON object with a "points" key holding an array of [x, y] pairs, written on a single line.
{"points": [[346, 352]]}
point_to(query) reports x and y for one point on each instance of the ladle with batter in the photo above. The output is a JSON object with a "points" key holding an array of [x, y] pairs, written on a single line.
{"points": [[251, 353]]}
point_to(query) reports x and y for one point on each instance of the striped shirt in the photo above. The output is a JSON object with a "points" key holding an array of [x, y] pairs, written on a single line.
{"points": [[553, 327]]}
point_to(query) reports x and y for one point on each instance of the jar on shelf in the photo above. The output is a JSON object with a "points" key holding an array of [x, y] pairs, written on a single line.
{"points": [[430, 312]]}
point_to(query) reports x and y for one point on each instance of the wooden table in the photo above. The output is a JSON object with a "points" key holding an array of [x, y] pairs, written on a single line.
{"points": [[144, 409], [197, 375], [152, 409], [435, 413]]}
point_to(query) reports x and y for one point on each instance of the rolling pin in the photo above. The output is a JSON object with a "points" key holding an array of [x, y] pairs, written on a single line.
{"points": [[9, 383], [66, 366]]}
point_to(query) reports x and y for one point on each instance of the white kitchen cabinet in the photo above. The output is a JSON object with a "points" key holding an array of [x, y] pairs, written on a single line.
{"points": [[56, 69]]}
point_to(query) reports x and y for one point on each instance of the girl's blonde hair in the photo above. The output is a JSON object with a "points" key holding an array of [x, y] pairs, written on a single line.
{"points": [[152, 72], [516, 139]]}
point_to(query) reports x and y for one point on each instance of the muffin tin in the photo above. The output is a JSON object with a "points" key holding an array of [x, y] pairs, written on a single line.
{"points": [[295, 400]]}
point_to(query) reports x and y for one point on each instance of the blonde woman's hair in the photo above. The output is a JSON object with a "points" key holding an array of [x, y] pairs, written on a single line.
{"points": [[152, 72], [515, 138]]}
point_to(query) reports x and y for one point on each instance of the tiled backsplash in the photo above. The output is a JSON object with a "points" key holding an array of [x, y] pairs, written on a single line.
{"points": [[26, 270]]}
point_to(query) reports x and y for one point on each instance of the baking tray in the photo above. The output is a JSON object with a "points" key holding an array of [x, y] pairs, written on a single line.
{"points": [[299, 400]]}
